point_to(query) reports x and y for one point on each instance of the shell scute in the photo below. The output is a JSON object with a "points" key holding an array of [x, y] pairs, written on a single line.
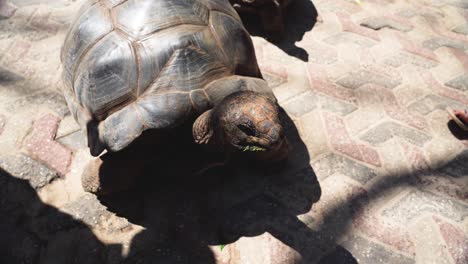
{"points": [[143, 17], [107, 76]]}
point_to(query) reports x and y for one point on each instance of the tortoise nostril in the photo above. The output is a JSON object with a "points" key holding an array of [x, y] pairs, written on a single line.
{"points": [[249, 131], [276, 134]]}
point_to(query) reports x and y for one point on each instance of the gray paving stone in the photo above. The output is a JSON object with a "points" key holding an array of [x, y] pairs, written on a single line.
{"points": [[336, 106], [433, 102], [76, 140], [335, 163], [88, 209], [458, 167], [418, 203], [301, 105], [435, 43], [357, 79], [388, 130], [460, 82], [462, 29], [51, 99], [406, 58], [24, 167], [349, 38], [273, 80], [377, 23], [367, 252]]}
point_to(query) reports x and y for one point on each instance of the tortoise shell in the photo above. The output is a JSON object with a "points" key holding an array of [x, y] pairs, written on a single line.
{"points": [[132, 65]]}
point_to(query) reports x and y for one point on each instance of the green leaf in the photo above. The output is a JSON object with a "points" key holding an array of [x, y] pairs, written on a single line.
{"points": [[253, 149], [221, 247]]}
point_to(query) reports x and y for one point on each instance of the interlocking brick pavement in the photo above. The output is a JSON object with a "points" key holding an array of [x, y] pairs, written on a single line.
{"points": [[366, 87]]}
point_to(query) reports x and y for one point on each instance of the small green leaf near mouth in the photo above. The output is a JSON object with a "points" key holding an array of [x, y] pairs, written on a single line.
{"points": [[221, 247], [253, 149]]}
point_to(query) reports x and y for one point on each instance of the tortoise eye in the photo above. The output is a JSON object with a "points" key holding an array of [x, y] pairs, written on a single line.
{"points": [[248, 130]]}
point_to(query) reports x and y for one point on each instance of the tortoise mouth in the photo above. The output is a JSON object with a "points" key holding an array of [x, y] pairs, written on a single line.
{"points": [[254, 144]]}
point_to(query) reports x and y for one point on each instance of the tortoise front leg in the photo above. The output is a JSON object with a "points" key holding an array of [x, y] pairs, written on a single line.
{"points": [[112, 172]]}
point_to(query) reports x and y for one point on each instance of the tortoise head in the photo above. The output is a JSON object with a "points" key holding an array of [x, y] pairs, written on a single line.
{"points": [[250, 122]]}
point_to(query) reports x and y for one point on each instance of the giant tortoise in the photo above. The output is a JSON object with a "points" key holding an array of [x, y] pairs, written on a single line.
{"points": [[136, 65]]}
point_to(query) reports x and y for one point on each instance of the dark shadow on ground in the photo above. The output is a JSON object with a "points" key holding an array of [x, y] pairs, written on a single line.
{"points": [[183, 214], [33, 232], [300, 17]]}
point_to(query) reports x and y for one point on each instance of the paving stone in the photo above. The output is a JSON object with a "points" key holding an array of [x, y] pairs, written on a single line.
{"points": [[319, 81], [349, 26], [341, 6], [397, 112], [341, 141], [273, 80], [366, 251], [380, 22], [7, 9], [2, 123], [462, 29], [265, 249], [356, 79], [385, 232], [439, 183], [457, 167], [417, 203], [335, 163], [76, 140], [314, 135], [333, 105], [435, 43], [349, 38], [52, 100], [42, 146], [413, 48], [332, 212], [461, 56], [297, 84], [457, 3], [403, 58], [432, 102], [455, 239], [23, 167], [67, 126], [428, 249], [87, 209], [433, 84], [459, 83], [388, 130], [320, 53], [301, 105]]}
